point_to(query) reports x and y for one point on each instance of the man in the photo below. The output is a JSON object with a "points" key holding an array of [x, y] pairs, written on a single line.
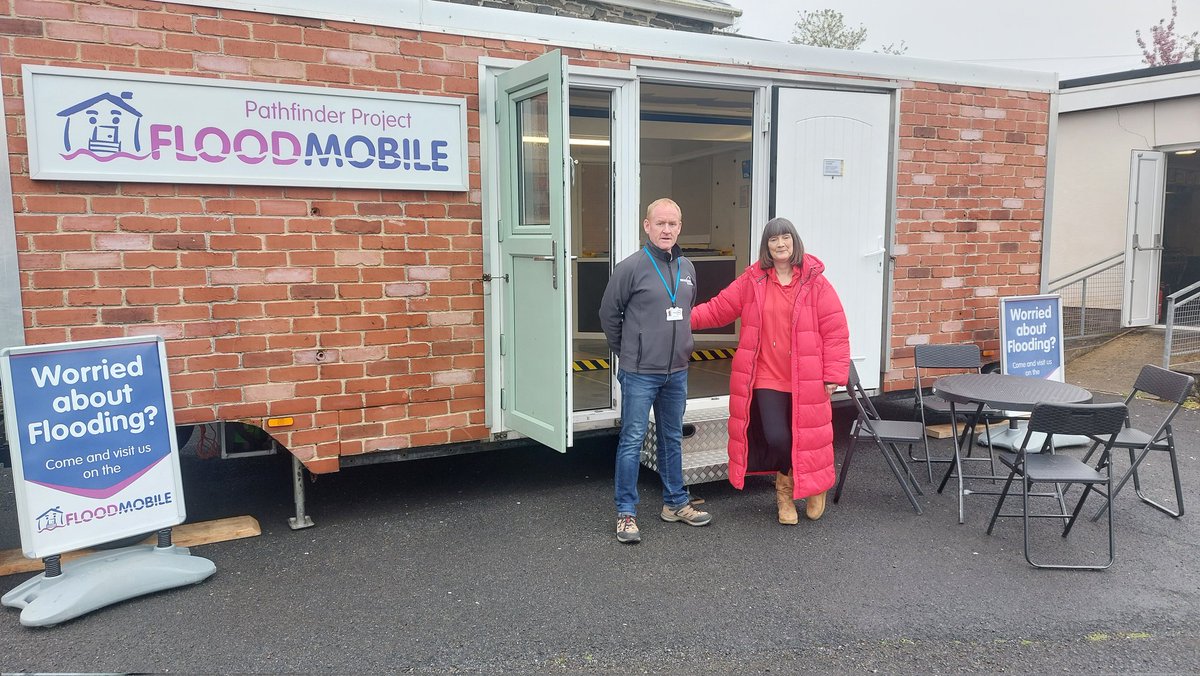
{"points": [[646, 315]]}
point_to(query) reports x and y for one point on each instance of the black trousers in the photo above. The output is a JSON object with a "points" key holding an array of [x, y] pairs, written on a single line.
{"points": [[770, 433]]}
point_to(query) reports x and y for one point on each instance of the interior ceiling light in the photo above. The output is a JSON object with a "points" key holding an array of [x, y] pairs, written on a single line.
{"points": [[1186, 152], [574, 141]]}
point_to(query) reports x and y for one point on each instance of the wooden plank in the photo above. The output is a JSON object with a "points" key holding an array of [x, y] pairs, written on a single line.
{"points": [[13, 561], [945, 431]]}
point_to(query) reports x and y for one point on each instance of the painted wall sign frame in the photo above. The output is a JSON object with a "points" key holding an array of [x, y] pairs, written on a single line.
{"points": [[92, 433], [88, 125]]}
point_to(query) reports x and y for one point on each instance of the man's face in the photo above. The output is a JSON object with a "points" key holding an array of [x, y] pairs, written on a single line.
{"points": [[662, 228]]}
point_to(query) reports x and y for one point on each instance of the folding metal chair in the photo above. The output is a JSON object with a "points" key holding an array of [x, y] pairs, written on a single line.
{"points": [[1168, 386], [958, 357], [1099, 421], [886, 434]]}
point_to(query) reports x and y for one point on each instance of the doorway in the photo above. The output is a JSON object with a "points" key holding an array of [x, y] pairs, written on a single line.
{"points": [[697, 147], [1180, 266]]}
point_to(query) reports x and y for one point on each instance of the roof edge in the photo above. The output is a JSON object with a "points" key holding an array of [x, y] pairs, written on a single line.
{"points": [[717, 13], [642, 41]]}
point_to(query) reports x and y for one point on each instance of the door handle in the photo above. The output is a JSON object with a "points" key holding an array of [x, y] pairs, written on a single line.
{"points": [[553, 263], [552, 260], [1138, 247]]}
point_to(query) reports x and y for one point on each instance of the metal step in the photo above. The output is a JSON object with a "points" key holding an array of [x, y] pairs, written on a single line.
{"points": [[704, 446]]}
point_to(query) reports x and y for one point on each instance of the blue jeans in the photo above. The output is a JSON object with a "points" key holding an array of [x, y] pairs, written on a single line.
{"points": [[667, 394]]}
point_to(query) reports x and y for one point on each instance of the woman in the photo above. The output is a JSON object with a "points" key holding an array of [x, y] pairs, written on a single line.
{"points": [[793, 352]]}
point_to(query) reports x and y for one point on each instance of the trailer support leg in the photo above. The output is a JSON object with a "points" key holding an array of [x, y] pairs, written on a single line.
{"points": [[301, 520]]}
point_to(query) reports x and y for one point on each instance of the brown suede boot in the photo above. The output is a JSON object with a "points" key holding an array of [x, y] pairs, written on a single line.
{"points": [[815, 506], [784, 500]]}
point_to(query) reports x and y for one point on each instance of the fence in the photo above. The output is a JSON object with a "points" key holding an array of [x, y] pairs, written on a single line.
{"points": [[1181, 346], [1092, 298]]}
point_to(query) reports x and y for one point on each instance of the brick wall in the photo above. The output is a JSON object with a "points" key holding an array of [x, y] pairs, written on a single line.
{"points": [[971, 190], [360, 312]]}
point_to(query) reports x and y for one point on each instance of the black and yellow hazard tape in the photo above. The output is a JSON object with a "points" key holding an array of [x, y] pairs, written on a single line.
{"points": [[589, 365], [717, 353], [698, 355]]}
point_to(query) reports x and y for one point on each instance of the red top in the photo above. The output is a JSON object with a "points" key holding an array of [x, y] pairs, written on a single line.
{"points": [[775, 356]]}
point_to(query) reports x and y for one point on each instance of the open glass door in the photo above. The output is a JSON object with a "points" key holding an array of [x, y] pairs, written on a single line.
{"points": [[535, 344], [1143, 237]]}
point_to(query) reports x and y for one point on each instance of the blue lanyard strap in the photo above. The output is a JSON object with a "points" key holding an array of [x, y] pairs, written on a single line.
{"points": [[678, 273]]}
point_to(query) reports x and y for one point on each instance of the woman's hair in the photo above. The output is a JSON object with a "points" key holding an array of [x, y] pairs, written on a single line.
{"points": [[780, 226]]}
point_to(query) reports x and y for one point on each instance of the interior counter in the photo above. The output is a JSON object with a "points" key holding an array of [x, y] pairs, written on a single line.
{"points": [[713, 273]]}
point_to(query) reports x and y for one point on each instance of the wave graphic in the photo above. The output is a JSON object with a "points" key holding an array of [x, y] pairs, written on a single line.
{"points": [[100, 493], [107, 157]]}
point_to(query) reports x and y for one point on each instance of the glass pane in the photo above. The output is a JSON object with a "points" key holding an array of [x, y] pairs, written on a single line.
{"points": [[533, 171]]}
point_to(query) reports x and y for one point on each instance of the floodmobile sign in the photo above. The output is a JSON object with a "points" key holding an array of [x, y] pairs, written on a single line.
{"points": [[92, 434]]}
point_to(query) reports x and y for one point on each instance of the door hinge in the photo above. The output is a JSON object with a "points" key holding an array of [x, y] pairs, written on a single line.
{"points": [[501, 398], [487, 277], [501, 345]]}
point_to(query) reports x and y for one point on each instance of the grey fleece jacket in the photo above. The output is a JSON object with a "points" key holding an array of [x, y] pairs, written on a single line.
{"points": [[633, 312]]}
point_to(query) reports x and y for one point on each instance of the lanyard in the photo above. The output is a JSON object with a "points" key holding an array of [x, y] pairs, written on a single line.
{"points": [[678, 272]]}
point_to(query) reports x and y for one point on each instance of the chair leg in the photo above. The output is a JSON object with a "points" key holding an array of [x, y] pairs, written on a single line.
{"points": [[1112, 546], [907, 470], [955, 461], [1000, 501], [1078, 508], [887, 456], [1132, 474], [1178, 511], [837, 493]]}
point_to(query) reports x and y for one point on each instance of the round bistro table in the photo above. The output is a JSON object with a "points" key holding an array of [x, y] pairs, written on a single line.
{"points": [[997, 391]]}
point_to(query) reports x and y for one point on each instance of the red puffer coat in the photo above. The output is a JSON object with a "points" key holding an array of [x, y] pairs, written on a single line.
{"points": [[820, 354]]}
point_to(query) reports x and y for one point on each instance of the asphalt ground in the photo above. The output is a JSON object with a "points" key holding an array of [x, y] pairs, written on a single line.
{"points": [[507, 562]]}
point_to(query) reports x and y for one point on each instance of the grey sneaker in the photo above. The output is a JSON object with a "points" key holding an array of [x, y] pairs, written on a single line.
{"points": [[627, 530], [687, 514]]}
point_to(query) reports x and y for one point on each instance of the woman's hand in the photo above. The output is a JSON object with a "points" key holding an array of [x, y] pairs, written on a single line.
{"points": [[830, 388]]}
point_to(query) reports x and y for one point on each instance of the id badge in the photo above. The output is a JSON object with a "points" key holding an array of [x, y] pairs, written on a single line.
{"points": [[674, 314]]}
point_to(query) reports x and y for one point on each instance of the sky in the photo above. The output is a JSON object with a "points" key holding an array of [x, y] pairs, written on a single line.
{"points": [[1074, 38]]}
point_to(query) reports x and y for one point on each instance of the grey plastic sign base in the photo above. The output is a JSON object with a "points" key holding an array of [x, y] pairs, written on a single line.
{"points": [[105, 578]]}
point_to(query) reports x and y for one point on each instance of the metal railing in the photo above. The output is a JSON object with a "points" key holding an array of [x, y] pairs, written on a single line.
{"points": [[1092, 298], [1181, 345]]}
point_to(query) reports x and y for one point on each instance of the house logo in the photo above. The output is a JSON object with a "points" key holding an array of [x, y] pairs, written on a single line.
{"points": [[103, 127], [50, 519]]}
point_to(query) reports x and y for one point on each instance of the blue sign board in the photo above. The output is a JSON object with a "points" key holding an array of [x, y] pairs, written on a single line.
{"points": [[1031, 336], [92, 434]]}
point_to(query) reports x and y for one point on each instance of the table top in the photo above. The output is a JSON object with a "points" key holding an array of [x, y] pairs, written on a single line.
{"points": [[1016, 393]]}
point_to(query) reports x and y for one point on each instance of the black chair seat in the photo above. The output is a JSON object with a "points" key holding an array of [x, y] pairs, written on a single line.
{"points": [[900, 431], [936, 404], [1053, 468], [1131, 437]]}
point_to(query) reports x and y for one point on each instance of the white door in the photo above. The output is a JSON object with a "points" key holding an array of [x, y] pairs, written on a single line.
{"points": [[1143, 237], [831, 158], [535, 340]]}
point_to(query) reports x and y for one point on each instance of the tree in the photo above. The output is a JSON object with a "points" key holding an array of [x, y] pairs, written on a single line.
{"points": [[893, 48], [1165, 46], [827, 28]]}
